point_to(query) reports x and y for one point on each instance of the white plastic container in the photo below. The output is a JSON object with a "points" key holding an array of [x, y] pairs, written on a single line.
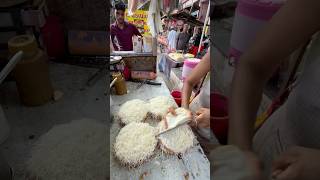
{"points": [[250, 18], [188, 66], [137, 44], [111, 102]]}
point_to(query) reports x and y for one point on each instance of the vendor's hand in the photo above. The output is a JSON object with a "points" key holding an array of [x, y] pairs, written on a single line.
{"points": [[202, 118], [297, 163], [164, 124], [172, 110], [164, 121], [254, 164]]}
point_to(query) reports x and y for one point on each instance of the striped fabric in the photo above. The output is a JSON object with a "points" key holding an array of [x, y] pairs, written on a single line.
{"points": [[297, 122]]}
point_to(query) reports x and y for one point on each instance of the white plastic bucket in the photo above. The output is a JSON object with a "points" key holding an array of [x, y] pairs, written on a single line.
{"points": [[250, 17], [111, 102], [188, 66]]}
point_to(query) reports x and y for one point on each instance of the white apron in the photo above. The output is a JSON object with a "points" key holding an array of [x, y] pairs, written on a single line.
{"points": [[203, 101], [297, 122]]}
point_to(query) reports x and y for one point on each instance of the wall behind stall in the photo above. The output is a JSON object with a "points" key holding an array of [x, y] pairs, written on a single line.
{"points": [[85, 23], [80, 14]]}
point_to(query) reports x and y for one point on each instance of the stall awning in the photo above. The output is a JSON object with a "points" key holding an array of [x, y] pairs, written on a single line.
{"points": [[190, 3], [185, 16]]}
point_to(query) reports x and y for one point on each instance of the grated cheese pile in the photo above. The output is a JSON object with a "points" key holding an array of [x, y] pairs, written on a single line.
{"points": [[159, 105], [180, 139], [176, 56], [188, 55], [135, 143], [73, 151], [133, 111]]}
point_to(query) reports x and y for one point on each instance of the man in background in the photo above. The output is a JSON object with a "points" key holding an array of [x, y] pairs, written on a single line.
{"points": [[122, 31], [183, 38], [197, 37], [196, 41]]}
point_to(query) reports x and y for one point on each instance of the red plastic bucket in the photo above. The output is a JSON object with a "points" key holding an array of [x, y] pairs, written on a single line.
{"points": [[220, 118], [53, 37], [176, 94]]}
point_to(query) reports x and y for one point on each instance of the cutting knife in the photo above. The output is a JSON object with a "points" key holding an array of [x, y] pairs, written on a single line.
{"points": [[141, 84], [146, 82], [168, 130]]}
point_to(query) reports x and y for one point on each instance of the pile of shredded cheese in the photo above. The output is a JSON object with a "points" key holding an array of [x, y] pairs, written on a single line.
{"points": [[180, 139], [188, 55], [72, 151], [135, 143], [133, 111], [176, 56], [159, 105]]}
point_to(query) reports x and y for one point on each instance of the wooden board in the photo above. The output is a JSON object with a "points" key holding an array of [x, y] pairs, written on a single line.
{"points": [[193, 165], [141, 63]]}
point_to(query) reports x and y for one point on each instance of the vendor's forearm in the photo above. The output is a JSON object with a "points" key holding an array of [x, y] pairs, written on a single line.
{"points": [[245, 99], [195, 77], [186, 93], [289, 28]]}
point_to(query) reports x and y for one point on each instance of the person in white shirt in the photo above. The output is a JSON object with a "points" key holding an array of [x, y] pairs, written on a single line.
{"points": [[172, 39]]}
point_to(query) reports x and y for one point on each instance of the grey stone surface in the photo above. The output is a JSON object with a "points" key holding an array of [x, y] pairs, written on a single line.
{"points": [[193, 163], [29, 123]]}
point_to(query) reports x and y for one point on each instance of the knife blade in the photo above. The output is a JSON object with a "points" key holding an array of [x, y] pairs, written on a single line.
{"points": [[141, 84], [147, 82], [153, 83], [168, 130]]}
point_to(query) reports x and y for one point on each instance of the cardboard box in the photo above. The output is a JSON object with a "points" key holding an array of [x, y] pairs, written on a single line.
{"points": [[141, 63], [87, 42]]}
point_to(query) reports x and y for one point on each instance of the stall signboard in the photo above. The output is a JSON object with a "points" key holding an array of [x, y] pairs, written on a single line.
{"points": [[139, 19]]}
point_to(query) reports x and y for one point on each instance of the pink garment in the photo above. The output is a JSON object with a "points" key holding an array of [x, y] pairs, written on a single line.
{"points": [[250, 17]]}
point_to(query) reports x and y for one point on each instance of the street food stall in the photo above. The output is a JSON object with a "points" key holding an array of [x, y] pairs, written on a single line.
{"points": [[140, 97], [193, 164], [196, 16]]}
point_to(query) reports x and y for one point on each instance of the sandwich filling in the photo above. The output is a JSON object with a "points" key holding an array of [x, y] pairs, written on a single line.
{"points": [[159, 105], [135, 143], [133, 111], [180, 139]]}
